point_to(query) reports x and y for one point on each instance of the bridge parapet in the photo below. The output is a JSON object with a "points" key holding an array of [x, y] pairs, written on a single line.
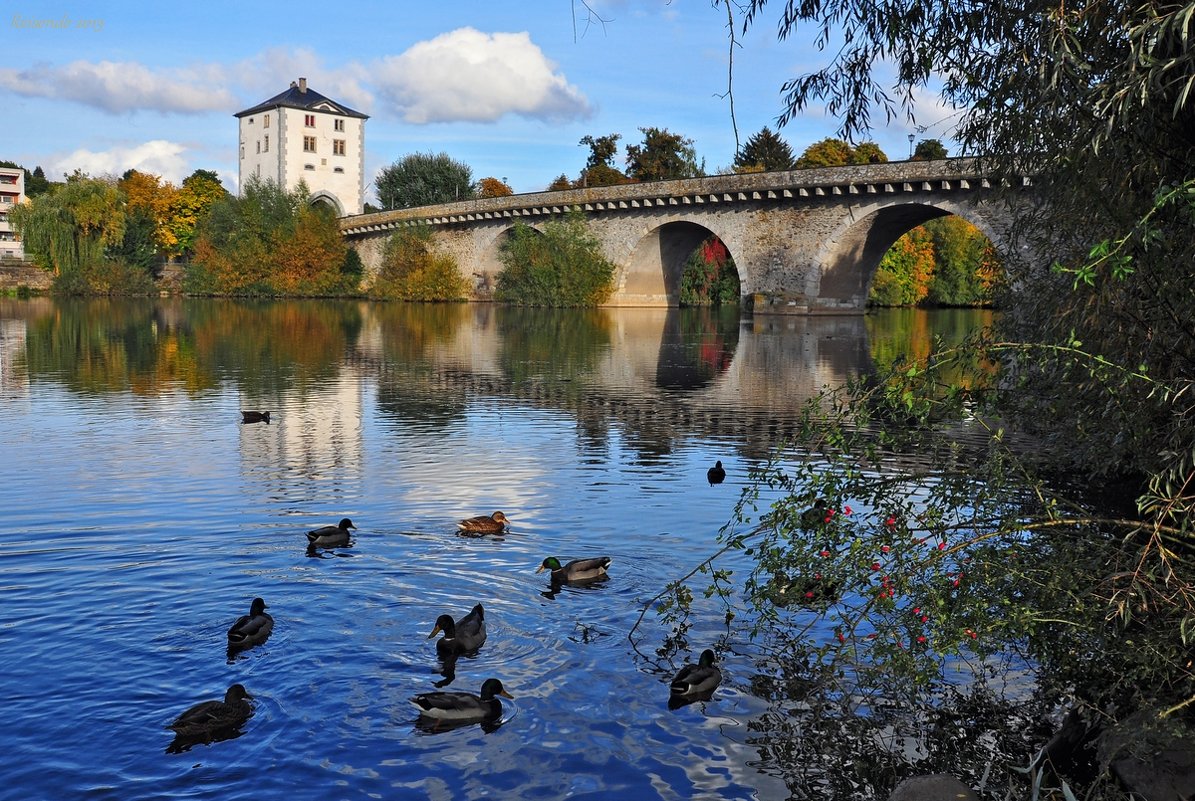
{"points": [[959, 174]]}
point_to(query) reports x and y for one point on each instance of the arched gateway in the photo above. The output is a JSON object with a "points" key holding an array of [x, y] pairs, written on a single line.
{"points": [[804, 241]]}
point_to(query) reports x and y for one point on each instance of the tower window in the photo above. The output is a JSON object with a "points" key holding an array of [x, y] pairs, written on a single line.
{"points": [[338, 125], [265, 148], [265, 121], [308, 144], [309, 120], [337, 147]]}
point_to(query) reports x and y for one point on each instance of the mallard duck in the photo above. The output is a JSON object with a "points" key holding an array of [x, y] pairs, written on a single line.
{"points": [[330, 536], [210, 717], [716, 474], [253, 628], [576, 570], [255, 417], [483, 524], [458, 706], [463, 636], [696, 679]]}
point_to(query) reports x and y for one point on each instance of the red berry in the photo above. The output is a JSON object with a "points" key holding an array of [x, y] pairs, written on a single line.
{"points": [[890, 521], [875, 565], [885, 548], [824, 553], [846, 510], [942, 546], [809, 594], [921, 638]]}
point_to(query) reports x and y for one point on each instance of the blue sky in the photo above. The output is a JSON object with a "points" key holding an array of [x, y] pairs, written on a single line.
{"points": [[509, 88]]}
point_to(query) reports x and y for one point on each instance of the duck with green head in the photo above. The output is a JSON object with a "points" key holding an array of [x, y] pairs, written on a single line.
{"points": [[462, 636], [697, 679], [330, 536], [253, 628], [461, 707], [578, 570]]}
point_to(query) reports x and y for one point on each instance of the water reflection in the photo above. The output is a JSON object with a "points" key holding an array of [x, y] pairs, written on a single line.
{"points": [[655, 376]]}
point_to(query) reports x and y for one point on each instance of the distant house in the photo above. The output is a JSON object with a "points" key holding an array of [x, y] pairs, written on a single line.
{"points": [[302, 135], [12, 192]]}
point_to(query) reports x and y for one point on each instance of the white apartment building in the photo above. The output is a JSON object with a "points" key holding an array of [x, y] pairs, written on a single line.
{"points": [[302, 135], [12, 192]]}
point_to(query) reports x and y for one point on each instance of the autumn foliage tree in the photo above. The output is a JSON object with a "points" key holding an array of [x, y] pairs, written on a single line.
{"points": [[492, 187], [946, 262], [831, 152], [710, 277], [270, 241]]}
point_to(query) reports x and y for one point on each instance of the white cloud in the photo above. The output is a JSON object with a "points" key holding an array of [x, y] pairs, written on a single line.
{"points": [[467, 75], [119, 87], [158, 157]]}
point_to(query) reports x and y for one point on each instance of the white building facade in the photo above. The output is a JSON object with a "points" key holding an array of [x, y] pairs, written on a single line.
{"points": [[300, 135], [12, 192]]}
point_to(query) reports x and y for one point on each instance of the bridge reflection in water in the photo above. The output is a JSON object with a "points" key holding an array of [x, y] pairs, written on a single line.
{"points": [[661, 375]]}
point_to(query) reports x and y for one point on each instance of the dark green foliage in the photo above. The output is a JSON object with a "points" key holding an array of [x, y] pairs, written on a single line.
{"points": [[137, 248], [965, 265], [560, 183], [929, 150], [602, 149], [352, 268], [424, 179], [764, 151], [662, 156], [710, 277], [563, 266]]}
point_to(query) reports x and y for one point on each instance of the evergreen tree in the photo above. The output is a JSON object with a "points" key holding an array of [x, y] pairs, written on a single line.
{"points": [[764, 151]]}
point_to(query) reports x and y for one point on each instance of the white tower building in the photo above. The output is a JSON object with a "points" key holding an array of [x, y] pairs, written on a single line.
{"points": [[302, 135]]}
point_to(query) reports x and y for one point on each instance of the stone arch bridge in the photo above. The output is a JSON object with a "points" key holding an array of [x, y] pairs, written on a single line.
{"points": [[804, 241]]}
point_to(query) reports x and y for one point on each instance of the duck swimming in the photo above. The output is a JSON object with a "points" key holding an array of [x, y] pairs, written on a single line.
{"points": [[576, 570], [716, 474], [483, 524], [462, 707], [330, 536], [253, 628], [255, 417], [462, 636], [697, 679], [207, 719]]}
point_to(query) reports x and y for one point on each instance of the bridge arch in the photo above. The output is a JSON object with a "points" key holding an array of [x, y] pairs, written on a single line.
{"points": [[851, 254], [651, 274]]}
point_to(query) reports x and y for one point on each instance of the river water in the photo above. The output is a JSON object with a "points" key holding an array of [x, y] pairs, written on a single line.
{"points": [[142, 517]]}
